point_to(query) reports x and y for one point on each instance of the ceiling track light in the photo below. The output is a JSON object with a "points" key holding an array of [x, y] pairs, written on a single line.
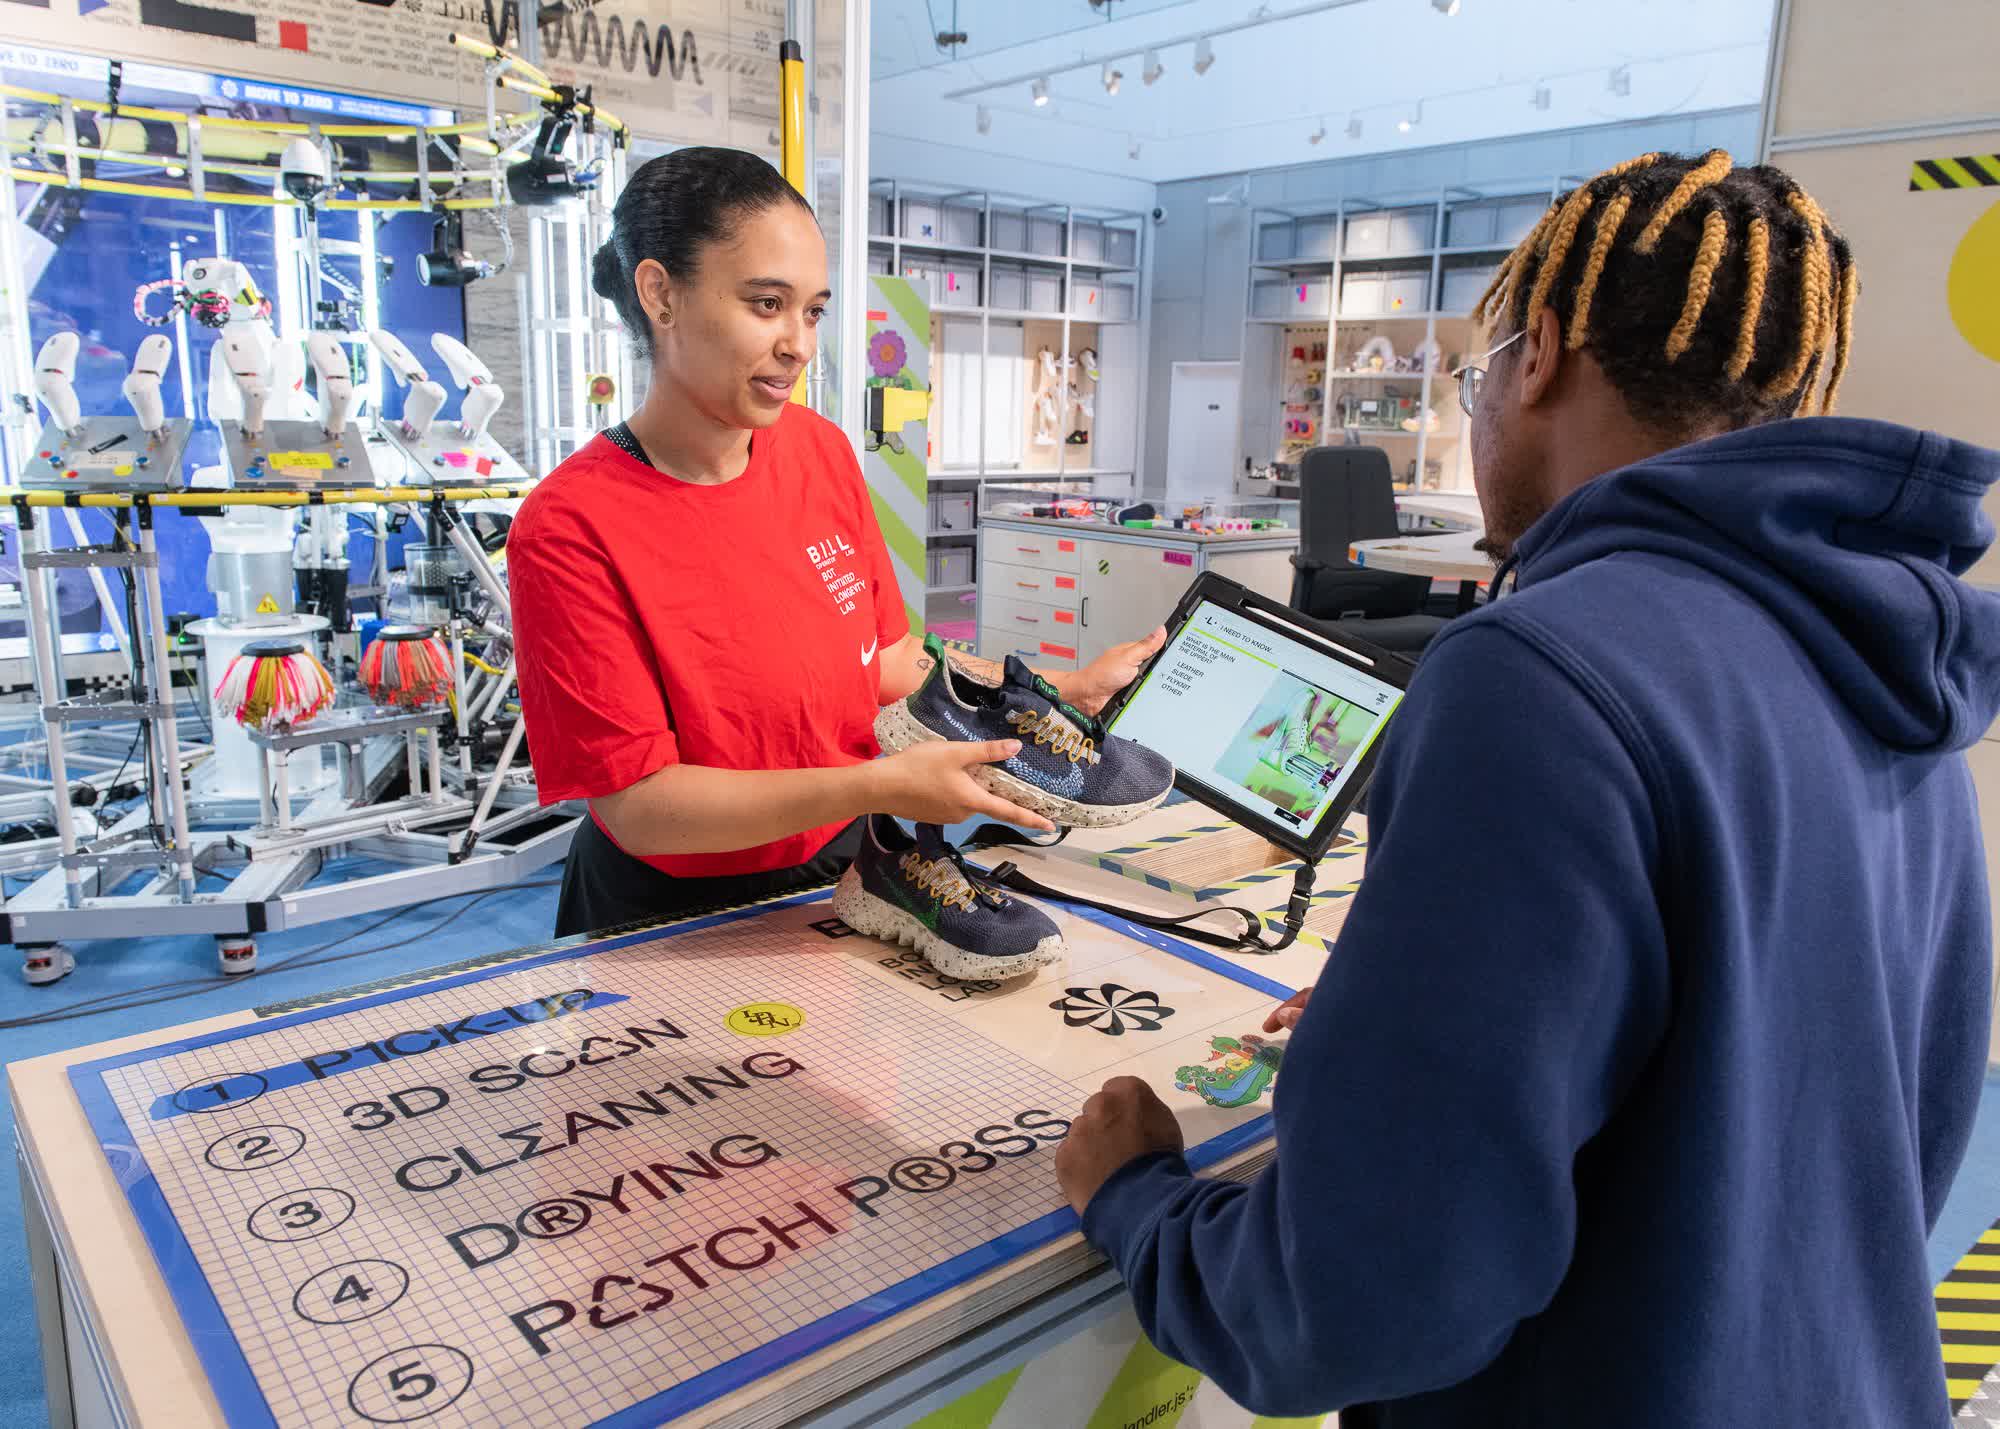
{"points": [[1112, 79], [1412, 119], [1132, 149], [1620, 82], [1354, 126], [985, 120], [1204, 55], [1040, 90], [1445, 7], [1153, 69], [1543, 97], [1318, 134]]}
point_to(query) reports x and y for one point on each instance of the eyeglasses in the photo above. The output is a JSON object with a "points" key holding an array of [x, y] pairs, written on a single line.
{"points": [[1472, 376]]}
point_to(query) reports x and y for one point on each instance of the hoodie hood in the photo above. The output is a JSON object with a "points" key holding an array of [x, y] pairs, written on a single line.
{"points": [[1852, 533]]}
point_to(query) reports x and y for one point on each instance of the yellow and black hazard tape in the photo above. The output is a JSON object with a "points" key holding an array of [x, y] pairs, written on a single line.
{"points": [[1169, 840], [1967, 171], [1968, 1315]]}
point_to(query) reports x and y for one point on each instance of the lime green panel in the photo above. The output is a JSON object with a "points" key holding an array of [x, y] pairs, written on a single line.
{"points": [[906, 544], [1148, 1383], [976, 1410]]}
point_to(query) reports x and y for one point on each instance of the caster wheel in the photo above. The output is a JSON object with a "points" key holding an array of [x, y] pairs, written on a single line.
{"points": [[236, 955], [46, 963]]}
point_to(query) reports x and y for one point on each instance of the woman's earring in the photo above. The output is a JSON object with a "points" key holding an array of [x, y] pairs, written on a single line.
{"points": [[666, 316]]}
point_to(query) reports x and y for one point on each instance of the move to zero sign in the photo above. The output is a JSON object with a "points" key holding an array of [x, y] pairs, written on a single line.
{"points": [[253, 1148], [353, 1290], [302, 1214], [412, 1383]]}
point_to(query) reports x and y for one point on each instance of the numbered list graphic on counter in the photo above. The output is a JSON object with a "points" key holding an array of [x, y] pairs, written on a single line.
{"points": [[1271, 721], [618, 1183]]}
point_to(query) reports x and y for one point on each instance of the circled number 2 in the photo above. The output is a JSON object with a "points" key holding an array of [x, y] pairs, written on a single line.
{"points": [[411, 1383], [253, 1148]]}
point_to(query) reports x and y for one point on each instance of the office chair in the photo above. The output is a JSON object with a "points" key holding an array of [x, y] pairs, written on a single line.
{"points": [[1347, 494]]}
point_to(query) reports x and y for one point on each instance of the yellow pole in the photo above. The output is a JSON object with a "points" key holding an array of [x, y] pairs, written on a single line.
{"points": [[792, 139]]}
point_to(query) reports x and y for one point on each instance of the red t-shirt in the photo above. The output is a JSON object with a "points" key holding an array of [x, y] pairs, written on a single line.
{"points": [[737, 626]]}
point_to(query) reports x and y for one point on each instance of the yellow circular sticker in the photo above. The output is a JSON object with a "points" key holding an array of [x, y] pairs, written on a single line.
{"points": [[765, 1019], [1972, 287]]}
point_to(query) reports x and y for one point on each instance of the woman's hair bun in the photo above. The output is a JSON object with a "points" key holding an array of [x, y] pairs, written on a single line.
{"points": [[607, 274]]}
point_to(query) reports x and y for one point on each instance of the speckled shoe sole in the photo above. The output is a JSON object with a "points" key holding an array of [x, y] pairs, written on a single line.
{"points": [[862, 911]]}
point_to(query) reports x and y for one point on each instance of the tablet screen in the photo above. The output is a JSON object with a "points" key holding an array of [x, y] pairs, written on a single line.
{"points": [[1266, 719]]}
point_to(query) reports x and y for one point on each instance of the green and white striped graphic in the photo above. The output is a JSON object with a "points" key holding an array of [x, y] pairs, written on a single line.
{"points": [[899, 481], [1108, 1377]]}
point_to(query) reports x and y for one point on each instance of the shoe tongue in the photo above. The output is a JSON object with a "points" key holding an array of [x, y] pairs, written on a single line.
{"points": [[1019, 674], [931, 843]]}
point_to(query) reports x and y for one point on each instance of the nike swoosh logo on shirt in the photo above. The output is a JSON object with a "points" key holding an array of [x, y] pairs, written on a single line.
{"points": [[868, 655]]}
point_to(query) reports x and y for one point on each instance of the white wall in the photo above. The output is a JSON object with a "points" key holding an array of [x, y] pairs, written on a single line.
{"points": [[1201, 253], [982, 170]]}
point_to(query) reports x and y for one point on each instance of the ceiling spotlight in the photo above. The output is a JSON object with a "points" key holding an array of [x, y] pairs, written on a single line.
{"points": [[1317, 134], [1412, 119], [1153, 68], [1354, 126], [1040, 90], [985, 120], [1445, 7], [1620, 82], [1132, 149], [1204, 55], [1112, 79], [1542, 96]]}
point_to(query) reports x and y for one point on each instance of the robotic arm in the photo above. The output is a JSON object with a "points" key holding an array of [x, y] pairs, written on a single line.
{"points": [[249, 362], [483, 395], [421, 403], [336, 381], [142, 384], [55, 380]]}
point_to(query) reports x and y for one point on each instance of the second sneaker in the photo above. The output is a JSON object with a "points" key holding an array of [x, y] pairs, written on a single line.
{"points": [[921, 892]]}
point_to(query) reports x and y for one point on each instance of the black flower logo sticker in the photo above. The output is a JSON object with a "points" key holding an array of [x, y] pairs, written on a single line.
{"points": [[1112, 1009]]}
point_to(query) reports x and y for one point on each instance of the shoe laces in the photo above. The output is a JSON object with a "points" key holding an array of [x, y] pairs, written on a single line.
{"points": [[949, 879], [1048, 728]]}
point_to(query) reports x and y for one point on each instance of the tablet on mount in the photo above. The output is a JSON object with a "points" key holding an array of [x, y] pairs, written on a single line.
{"points": [[1270, 722]]}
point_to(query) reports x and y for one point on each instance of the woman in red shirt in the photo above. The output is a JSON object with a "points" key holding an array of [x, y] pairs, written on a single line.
{"points": [[705, 615]]}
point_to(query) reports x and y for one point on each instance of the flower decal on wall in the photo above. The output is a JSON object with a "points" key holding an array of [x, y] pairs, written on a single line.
{"points": [[887, 352], [1112, 1010]]}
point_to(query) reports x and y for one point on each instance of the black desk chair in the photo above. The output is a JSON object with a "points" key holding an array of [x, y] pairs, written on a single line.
{"points": [[1347, 494]]}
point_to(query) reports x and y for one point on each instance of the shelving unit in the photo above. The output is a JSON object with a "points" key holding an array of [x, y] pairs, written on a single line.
{"points": [[1070, 280], [1405, 268]]}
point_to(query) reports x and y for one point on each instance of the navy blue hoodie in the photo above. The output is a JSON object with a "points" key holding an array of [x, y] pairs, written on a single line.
{"points": [[1653, 1039]]}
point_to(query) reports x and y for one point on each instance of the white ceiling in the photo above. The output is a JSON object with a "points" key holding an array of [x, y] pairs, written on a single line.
{"points": [[1299, 64]]}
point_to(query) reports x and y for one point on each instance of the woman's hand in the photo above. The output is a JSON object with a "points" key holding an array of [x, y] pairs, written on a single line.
{"points": [[1091, 688], [932, 783], [1286, 1015]]}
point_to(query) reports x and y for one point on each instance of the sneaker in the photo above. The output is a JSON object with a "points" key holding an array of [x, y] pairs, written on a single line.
{"points": [[922, 892], [1069, 769]]}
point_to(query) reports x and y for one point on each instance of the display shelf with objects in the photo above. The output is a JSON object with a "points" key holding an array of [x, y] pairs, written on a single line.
{"points": [[1370, 296], [1034, 354]]}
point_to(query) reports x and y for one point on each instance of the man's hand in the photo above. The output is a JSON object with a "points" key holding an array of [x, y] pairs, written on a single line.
{"points": [[1091, 688], [1287, 1013], [1122, 1122]]}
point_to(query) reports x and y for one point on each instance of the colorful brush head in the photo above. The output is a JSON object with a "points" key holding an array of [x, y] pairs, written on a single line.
{"points": [[406, 666], [274, 684]]}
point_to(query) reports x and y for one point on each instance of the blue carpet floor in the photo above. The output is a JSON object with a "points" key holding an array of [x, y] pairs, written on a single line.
{"points": [[359, 950]]}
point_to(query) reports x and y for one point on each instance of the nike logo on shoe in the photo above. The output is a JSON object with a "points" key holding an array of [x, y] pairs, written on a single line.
{"points": [[868, 655]]}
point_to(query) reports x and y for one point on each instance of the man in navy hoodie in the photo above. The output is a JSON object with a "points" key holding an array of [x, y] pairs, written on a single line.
{"points": [[1653, 1039]]}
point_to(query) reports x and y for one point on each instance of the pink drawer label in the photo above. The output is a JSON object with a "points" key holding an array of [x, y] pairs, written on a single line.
{"points": [[1065, 617], [1065, 546], [1178, 558], [1065, 582], [1066, 652]]}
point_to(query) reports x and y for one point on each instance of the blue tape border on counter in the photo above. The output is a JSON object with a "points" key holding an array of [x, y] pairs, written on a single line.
{"points": [[228, 1369]]}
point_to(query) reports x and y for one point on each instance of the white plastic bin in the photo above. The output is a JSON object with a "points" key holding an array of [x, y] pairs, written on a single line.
{"points": [[1009, 230], [922, 220]]}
